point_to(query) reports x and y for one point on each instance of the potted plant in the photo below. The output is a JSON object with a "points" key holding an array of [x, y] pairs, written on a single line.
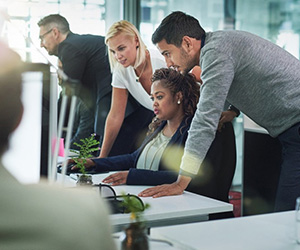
{"points": [[135, 235], [86, 148]]}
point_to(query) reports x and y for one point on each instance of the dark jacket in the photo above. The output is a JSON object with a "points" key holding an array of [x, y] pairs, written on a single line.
{"points": [[84, 58]]}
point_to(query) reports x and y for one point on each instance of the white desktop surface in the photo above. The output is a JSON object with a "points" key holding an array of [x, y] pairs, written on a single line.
{"points": [[275, 231], [170, 210]]}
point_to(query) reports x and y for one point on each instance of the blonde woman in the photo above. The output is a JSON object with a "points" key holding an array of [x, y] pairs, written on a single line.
{"points": [[132, 65]]}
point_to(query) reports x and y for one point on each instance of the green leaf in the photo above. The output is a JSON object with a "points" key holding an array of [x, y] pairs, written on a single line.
{"points": [[87, 146]]}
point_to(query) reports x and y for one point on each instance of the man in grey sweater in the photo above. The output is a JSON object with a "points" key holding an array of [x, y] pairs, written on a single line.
{"points": [[256, 76]]}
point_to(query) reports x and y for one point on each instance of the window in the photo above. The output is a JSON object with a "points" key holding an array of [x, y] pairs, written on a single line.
{"points": [[209, 13], [18, 20], [275, 20]]}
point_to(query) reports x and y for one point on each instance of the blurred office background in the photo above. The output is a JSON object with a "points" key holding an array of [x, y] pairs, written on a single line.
{"points": [[275, 20]]}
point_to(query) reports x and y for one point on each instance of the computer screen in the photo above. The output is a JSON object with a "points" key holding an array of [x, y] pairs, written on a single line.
{"points": [[28, 155]]}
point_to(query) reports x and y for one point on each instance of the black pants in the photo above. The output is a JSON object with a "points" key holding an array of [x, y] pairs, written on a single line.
{"points": [[217, 170], [289, 181], [133, 129]]}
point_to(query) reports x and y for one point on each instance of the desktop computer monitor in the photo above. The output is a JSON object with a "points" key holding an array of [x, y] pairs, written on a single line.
{"points": [[29, 153]]}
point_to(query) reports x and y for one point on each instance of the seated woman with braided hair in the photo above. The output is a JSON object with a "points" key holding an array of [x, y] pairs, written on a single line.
{"points": [[157, 161]]}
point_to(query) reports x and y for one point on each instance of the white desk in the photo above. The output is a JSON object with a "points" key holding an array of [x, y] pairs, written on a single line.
{"points": [[169, 210], [275, 231], [164, 211]]}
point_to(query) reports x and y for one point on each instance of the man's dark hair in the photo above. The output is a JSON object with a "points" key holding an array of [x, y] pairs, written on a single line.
{"points": [[175, 26], [55, 20]]}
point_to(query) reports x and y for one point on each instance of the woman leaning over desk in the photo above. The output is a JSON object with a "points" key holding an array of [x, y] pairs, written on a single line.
{"points": [[157, 161], [132, 66]]}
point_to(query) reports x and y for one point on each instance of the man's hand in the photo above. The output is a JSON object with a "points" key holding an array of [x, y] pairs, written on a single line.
{"points": [[117, 178], [162, 190], [176, 188], [226, 116]]}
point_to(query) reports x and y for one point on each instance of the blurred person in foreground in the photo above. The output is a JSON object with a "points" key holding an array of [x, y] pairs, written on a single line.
{"points": [[40, 216]]}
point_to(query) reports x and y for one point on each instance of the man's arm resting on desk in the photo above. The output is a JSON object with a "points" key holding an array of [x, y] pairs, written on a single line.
{"points": [[175, 188]]}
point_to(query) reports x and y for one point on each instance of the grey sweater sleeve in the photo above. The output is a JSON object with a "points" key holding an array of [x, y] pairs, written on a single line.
{"points": [[256, 76], [217, 75]]}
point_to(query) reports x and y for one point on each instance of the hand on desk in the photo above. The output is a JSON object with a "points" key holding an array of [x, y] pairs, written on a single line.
{"points": [[162, 190], [176, 188], [117, 178]]}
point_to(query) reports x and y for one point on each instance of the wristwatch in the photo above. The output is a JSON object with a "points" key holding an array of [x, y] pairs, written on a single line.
{"points": [[231, 107]]}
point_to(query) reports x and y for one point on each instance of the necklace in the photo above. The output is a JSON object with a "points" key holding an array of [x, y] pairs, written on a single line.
{"points": [[137, 78]]}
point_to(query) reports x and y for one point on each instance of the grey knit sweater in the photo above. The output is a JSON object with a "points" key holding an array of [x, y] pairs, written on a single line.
{"points": [[256, 76]]}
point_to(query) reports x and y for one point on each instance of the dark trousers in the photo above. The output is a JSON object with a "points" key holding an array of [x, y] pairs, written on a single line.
{"points": [[289, 180], [132, 132], [134, 127], [217, 170]]}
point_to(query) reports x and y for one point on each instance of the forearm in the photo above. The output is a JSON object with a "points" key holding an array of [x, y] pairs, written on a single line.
{"points": [[114, 163], [176, 188], [149, 177], [183, 181]]}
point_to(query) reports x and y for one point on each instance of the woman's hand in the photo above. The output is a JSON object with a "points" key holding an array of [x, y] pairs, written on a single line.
{"points": [[89, 163], [117, 178]]}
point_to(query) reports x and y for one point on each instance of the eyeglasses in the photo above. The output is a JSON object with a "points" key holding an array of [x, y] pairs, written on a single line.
{"points": [[43, 36]]}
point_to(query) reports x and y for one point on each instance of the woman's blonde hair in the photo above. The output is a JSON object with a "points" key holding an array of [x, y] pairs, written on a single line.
{"points": [[126, 28]]}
